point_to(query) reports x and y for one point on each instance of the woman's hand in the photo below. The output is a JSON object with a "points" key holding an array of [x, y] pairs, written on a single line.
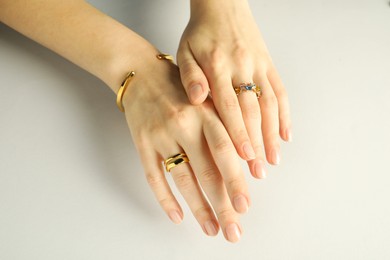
{"points": [[221, 48], [160, 118], [164, 123]]}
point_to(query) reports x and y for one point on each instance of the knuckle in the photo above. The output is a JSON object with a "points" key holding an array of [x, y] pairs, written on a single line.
{"points": [[282, 94], [154, 181], [252, 112], [181, 119], [209, 176], [241, 53], [208, 109], [225, 213], [258, 147], [202, 212], [263, 64], [284, 115], [240, 50], [240, 135], [216, 59], [216, 54], [230, 103], [189, 73], [209, 114], [270, 101], [283, 100], [147, 129], [271, 139], [141, 140], [184, 182], [223, 145], [165, 202], [236, 185]]}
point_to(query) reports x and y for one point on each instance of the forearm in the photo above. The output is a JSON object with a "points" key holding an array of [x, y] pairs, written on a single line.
{"points": [[80, 33]]}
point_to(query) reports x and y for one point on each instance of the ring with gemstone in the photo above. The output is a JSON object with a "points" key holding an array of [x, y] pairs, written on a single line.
{"points": [[248, 87]]}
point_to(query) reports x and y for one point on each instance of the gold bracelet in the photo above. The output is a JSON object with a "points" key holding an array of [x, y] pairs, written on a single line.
{"points": [[128, 78], [163, 56], [122, 89]]}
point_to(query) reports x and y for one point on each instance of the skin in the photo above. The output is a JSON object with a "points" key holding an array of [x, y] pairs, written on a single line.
{"points": [[161, 119], [221, 48], [170, 124]]}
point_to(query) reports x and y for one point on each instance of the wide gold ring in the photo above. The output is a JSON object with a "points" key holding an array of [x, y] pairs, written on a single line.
{"points": [[175, 160]]}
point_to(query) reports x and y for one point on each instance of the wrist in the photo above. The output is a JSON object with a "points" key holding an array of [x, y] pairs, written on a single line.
{"points": [[199, 7], [132, 54], [140, 57]]}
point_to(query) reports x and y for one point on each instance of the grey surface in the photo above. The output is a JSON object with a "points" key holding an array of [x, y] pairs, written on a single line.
{"points": [[72, 186]]}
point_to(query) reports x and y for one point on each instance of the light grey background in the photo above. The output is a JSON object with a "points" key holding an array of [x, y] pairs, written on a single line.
{"points": [[72, 186]]}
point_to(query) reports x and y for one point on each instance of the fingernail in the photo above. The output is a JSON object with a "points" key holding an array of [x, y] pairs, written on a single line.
{"points": [[275, 157], [289, 135], [249, 152], [211, 228], [174, 215], [260, 170], [241, 204], [233, 233], [195, 92]]}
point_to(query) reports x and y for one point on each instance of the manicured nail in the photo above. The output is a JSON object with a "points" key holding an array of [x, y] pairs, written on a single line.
{"points": [[175, 216], [249, 152], [211, 228], [275, 157], [260, 170], [241, 204], [233, 233], [195, 92]]}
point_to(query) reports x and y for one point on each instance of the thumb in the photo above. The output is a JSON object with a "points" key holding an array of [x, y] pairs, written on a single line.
{"points": [[192, 76]]}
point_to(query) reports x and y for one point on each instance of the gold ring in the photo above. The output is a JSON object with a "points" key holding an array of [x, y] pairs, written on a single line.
{"points": [[248, 87], [175, 160]]}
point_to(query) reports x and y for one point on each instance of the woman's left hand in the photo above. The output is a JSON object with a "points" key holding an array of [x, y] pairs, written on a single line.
{"points": [[222, 48]]}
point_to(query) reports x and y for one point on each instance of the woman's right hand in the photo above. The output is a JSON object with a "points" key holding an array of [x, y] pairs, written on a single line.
{"points": [[164, 123]]}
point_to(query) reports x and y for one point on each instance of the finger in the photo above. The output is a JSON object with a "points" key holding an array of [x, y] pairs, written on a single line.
{"points": [[270, 121], [228, 164], [285, 130], [252, 118], [158, 183], [188, 186], [194, 81], [226, 102], [213, 185]]}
